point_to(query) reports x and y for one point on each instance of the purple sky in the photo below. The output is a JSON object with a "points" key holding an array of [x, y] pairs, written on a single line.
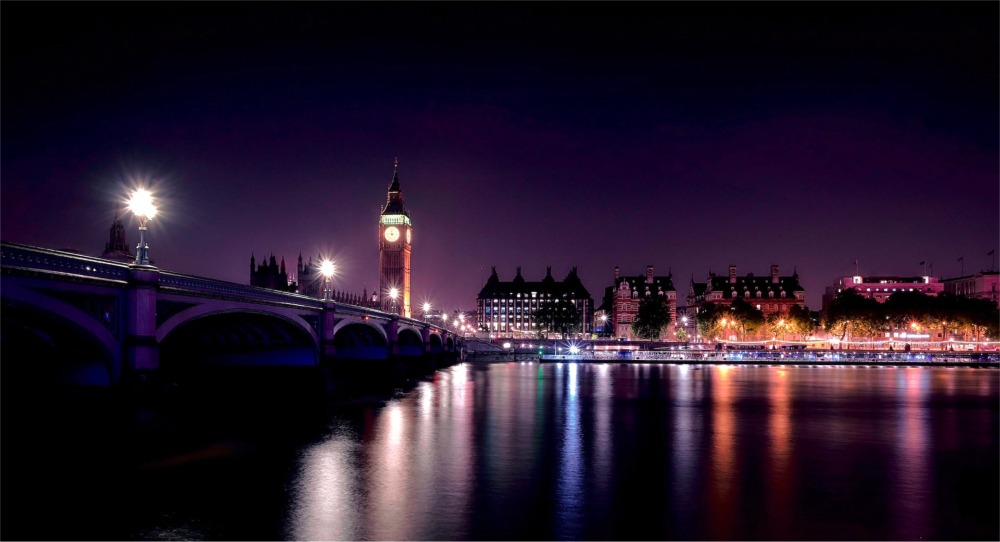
{"points": [[684, 136]]}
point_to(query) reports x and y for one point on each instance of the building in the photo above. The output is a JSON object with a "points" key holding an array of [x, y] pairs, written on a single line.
{"points": [[394, 249], [982, 285], [511, 309], [117, 246], [270, 274], [626, 293], [771, 293], [880, 287]]}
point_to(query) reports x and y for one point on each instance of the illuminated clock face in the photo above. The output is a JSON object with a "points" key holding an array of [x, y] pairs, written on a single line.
{"points": [[408, 235], [391, 234]]}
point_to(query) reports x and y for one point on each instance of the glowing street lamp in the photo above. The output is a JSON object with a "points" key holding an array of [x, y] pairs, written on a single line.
{"points": [[327, 269], [427, 309], [141, 204], [393, 294]]}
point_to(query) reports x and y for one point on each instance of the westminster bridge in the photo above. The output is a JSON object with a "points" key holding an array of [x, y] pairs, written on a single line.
{"points": [[94, 321]]}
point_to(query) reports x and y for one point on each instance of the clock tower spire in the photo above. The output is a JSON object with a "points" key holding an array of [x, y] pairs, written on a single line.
{"points": [[395, 235]]}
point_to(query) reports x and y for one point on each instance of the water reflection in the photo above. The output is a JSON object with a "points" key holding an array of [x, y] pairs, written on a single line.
{"points": [[911, 474], [721, 475], [609, 451], [569, 492]]}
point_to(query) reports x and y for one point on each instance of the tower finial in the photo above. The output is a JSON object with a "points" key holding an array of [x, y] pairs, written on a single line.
{"points": [[395, 165]]}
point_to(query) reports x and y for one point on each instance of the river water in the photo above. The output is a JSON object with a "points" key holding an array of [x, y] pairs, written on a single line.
{"points": [[519, 451]]}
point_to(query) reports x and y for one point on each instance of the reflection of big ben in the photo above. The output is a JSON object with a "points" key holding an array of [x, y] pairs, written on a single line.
{"points": [[395, 234]]}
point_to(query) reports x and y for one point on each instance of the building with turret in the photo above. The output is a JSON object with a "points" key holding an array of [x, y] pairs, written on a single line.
{"points": [[621, 304], [270, 274], [117, 247], [771, 293]]}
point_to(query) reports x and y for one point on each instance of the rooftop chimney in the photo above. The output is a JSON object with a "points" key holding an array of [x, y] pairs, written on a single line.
{"points": [[732, 274], [649, 274]]}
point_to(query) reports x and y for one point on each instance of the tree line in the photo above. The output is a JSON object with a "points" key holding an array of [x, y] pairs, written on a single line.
{"points": [[851, 313]]}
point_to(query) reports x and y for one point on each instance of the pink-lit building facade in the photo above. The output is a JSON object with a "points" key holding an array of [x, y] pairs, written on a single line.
{"points": [[880, 287], [982, 285]]}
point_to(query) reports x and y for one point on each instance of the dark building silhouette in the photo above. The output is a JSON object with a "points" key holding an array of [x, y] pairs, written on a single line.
{"points": [[307, 281], [270, 274], [117, 247]]}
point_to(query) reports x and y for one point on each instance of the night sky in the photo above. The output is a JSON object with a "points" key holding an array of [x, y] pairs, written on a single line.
{"points": [[684, 136]]}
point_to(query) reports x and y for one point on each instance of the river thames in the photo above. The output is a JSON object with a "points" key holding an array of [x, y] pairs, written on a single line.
{"points": [[521, 451]]}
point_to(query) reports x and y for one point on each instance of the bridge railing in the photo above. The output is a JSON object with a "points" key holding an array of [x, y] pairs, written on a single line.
{"points": [[202, 285], [13, 255], [26, 257]]}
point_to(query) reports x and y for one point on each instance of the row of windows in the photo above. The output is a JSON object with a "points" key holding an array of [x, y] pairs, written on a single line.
{"points": [[519, 309], [886, 290], [747, 294], [512, 301]]}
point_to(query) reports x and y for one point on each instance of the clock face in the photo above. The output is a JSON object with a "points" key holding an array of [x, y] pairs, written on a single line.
{"points": [[408, 235], [391, 234]]}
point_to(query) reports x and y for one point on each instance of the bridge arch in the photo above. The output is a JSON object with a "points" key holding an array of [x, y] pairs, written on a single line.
{"points": [[245, 336], [355, 338], [77, 347], [434, 343], [408, 342], [210, 309]]}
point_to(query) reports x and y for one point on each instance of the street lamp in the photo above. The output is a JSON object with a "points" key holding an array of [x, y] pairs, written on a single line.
{"points": [[327, 269], [393, 294], [141, 204], [427, 309]]}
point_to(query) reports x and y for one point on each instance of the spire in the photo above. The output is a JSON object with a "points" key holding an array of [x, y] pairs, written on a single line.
{"points": [[394, 199], [394, 185]]}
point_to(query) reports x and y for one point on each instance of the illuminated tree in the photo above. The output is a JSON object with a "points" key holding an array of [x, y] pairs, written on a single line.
{"points": [[653, 317]]}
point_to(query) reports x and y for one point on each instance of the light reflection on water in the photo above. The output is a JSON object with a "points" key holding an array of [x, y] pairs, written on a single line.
{"points": [[608, 451]]}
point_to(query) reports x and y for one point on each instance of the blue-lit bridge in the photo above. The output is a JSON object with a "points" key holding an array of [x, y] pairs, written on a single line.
{"points": [[95, 321]]}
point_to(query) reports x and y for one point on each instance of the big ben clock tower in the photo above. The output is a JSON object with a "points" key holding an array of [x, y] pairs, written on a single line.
{"points": [[395, 232]]}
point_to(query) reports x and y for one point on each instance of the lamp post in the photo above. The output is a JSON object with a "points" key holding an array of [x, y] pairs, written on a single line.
{"points": [[141, 204], [427, 309], [393, 294], [327, 269]]}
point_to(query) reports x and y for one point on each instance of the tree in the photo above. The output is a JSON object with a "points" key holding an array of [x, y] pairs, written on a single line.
{"points": [[653, 317], [748, 318], [852, 313], [799, 322], [708, 317]]}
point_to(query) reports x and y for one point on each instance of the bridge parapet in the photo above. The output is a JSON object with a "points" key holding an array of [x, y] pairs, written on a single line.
{"points": [[24, 257], [221, 288]]}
